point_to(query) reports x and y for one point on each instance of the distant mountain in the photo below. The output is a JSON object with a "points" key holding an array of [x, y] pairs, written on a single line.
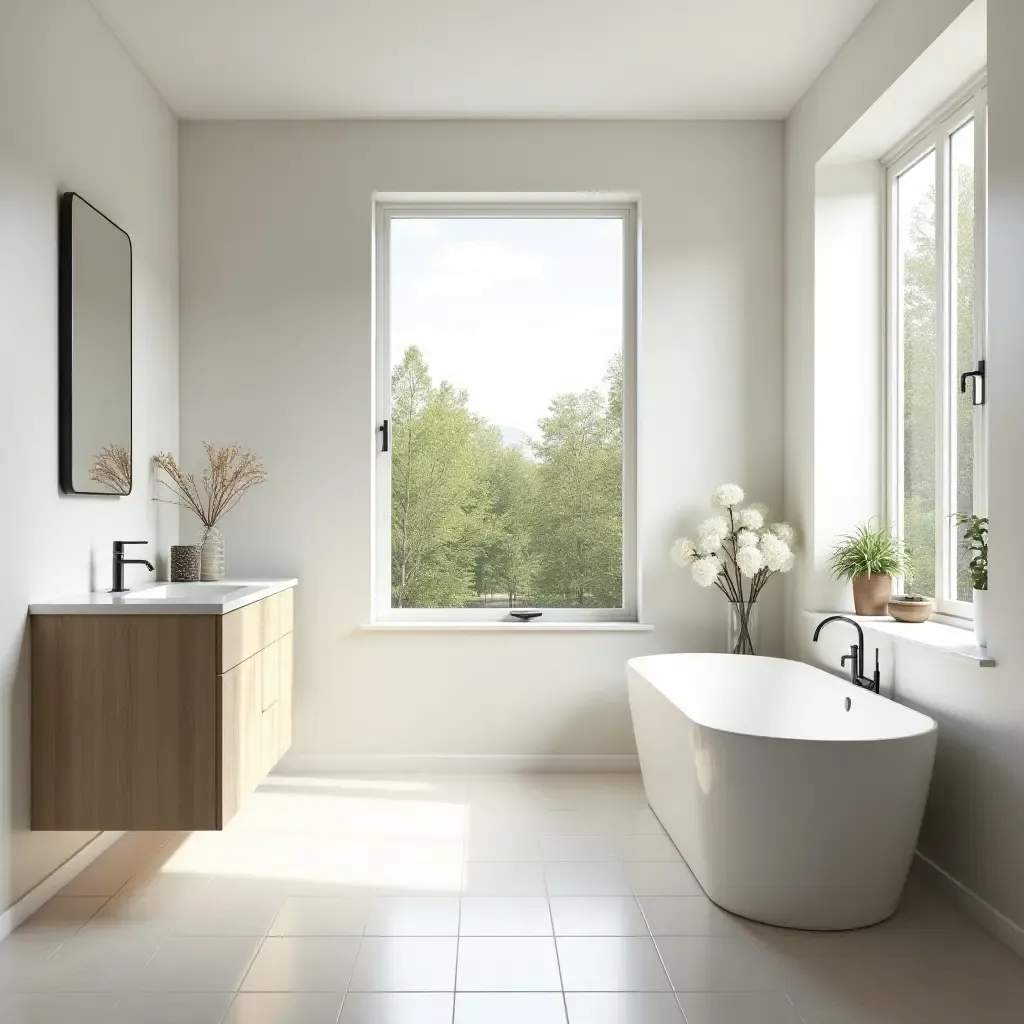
{"points": [[513, 437]]}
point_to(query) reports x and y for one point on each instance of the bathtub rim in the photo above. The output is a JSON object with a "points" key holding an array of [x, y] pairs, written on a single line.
{"points": [[929, 727]]}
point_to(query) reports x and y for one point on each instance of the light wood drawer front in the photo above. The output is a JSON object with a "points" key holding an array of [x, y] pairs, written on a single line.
{"points": [[269, 741], [284, 700], [278, 616], [271, 685], [241, 635], [286, 611], [248, 630], [271, 607]]}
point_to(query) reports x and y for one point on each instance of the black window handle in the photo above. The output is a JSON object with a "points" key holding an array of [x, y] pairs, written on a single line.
{"points": [[978, 376], [385, 436]]}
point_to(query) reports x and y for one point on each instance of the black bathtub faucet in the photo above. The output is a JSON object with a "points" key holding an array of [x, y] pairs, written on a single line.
{"points": [[856, 656]]}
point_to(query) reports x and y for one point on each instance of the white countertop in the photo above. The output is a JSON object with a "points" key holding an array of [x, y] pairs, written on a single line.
{"points": [[167, 599]]}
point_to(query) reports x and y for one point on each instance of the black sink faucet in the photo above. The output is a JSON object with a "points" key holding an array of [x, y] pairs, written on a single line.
{"points": [[856, 656], [120, 562]]}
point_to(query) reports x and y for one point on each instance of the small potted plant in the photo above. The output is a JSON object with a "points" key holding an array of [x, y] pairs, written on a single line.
{"points": [[871, 558], [976, 545]]}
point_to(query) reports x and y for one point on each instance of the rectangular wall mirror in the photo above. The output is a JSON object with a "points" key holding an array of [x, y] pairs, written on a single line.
{"points": [[95, 351]]}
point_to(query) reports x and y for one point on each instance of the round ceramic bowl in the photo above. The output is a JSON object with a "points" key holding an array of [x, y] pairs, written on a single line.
{"points": [[910, 611]]}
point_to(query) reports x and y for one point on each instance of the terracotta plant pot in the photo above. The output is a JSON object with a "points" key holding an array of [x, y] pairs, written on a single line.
{"points": [[871, 594], [910, 611]]}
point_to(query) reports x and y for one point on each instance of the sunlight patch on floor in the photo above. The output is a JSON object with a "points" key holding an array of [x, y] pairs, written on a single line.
{"points": [[334, 839]]}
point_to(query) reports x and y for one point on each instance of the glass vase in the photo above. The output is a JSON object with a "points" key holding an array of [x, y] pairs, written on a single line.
{"points": [[211, 557], [742, 636]]}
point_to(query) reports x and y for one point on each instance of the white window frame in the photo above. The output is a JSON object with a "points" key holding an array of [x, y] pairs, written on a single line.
{"points": [[935, 137], [621, 208]]}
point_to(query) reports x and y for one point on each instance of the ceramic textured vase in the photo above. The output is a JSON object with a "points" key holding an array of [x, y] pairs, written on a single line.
{"points": [[186, 562], [980, 600], [743, 628], [871, 594], [212, 556]]}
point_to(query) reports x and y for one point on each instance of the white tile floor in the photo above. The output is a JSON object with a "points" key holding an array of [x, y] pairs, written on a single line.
{"points": [[473, 900]]}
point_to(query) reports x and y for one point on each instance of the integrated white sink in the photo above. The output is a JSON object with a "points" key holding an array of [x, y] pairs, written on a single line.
{"points": [[206, 592], [167, 599]]}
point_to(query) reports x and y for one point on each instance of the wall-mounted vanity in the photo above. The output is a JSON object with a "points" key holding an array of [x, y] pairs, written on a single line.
{"points": [[161, 708]]}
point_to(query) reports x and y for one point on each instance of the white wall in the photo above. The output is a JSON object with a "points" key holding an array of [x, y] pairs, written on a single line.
{"points": [[973, 829], [994, 853], [75, 114], [276, 354], [891, 38], [849, 316]]}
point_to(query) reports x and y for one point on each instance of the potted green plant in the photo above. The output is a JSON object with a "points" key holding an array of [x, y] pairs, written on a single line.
{"points": [[870, 558], [976, 545]]}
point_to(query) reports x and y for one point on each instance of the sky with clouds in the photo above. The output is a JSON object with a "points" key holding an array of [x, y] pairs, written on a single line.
{"points": [[515, 310]]}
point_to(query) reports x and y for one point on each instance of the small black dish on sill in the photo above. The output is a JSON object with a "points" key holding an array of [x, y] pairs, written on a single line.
{"points": [[525, 616]]}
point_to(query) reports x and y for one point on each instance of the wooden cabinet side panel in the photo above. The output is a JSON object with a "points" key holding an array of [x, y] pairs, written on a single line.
{"points": [[174, 737], [81, 695], [124, 722]]}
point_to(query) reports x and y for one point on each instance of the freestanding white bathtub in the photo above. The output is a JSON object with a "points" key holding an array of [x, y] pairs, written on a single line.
{"points": [[795, 797]]}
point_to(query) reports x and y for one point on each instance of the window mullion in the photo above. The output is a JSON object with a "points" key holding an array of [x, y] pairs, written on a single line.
{"points": [[895, 452], [981, 296], [944, 365], [381, 494]]}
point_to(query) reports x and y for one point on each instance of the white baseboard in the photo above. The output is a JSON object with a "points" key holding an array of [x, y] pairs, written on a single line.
{"points": [[453, 764], [54, 882], [997, 924]]}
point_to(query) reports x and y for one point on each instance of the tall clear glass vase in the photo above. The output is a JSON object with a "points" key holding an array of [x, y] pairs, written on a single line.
{"points": [[743, 634]]}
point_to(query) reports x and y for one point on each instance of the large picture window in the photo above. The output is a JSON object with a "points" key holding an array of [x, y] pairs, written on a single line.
{"points": [[505, 365], [937, 333]]}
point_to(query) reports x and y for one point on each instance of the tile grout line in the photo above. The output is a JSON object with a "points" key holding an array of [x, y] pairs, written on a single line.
{"points": [[259, 948], [657, 949], [458, 928], [106, 897], [554, 941], [106, 901], [799, 1016]]}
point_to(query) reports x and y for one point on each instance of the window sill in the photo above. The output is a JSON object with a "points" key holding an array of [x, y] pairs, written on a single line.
{"points": [[957, 641], [505, 627]]}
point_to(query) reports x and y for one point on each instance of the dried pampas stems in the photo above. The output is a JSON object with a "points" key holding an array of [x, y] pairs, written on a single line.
{"points": [[232, 470]]}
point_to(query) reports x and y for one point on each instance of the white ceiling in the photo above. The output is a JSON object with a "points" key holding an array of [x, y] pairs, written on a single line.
{"points": [[482, 58]]}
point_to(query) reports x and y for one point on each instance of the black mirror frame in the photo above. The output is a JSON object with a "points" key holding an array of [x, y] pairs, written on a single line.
{"points": [[66, 332]]}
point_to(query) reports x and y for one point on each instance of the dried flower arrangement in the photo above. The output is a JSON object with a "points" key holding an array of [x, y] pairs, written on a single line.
{"points": [[231, 472], [112, 469]]}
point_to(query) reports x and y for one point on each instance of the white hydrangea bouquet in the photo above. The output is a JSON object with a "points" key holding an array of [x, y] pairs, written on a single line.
{"points": [[738, 553]]}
